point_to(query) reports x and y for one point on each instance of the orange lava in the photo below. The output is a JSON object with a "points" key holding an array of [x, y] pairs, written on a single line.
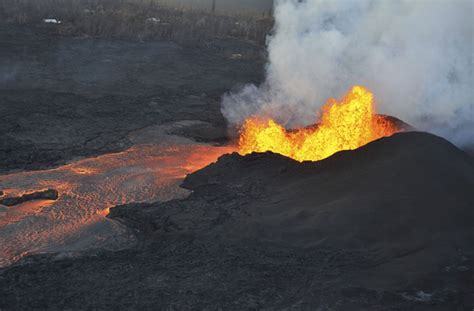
{"points": [[87, 190], [344, 125]]}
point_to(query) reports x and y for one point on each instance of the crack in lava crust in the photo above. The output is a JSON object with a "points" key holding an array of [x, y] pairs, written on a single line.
{"points": [[87, 189]]}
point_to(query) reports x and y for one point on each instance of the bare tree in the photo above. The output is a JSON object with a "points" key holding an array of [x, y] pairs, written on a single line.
{"points": [[213, 8], [270, 11]]}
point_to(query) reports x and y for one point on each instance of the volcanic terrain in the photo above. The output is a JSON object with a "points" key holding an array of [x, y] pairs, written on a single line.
{"points": [[388, 226], [119, 189]]}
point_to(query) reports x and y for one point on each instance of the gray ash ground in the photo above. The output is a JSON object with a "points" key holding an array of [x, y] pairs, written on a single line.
{"points": [[386, 227]]}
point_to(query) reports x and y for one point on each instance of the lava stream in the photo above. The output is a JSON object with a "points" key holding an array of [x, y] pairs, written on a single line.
{"points": [[88, 188]]}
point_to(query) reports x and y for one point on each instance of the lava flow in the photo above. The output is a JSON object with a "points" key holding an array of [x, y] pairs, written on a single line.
{"points": [[87, 189], [344, 125]]}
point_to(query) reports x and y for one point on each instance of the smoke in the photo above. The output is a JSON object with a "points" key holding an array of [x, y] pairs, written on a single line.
{"points": [[416, 56]]}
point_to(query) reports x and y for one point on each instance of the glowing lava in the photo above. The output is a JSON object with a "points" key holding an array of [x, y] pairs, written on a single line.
{"points": [[344, 125], [88, 188]]}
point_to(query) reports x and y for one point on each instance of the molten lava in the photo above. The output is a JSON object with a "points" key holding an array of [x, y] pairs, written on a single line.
{"points": [[344, 125], [88, 188]]}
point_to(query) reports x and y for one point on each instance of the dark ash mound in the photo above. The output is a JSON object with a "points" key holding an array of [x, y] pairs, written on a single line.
{"points": [[387, 227]]}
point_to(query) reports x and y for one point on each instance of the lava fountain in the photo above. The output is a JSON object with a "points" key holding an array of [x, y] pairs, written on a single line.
{"points": [[344, 125]]}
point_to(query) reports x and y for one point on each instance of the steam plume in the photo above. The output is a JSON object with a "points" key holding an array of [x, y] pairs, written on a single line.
{"points": [[416, 56]]}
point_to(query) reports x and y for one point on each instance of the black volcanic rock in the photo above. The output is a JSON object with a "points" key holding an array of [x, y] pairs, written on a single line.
{"points": [[386, 227], [49, 194]]}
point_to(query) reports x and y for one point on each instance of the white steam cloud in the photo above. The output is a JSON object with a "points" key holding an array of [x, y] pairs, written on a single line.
{"points": [[416, 56]]}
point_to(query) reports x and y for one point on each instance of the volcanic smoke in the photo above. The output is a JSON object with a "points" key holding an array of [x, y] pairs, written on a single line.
{"points": [[416, 57]]}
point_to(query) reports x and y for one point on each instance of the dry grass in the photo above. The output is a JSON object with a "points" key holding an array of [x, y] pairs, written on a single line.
{"points": [[136, 19]]}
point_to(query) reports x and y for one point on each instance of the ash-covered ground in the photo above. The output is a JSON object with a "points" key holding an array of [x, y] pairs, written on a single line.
{"points": [[389, 226]]}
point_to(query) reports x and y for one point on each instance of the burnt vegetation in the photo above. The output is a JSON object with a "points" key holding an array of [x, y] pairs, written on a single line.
{"points": [[138, 19]]}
